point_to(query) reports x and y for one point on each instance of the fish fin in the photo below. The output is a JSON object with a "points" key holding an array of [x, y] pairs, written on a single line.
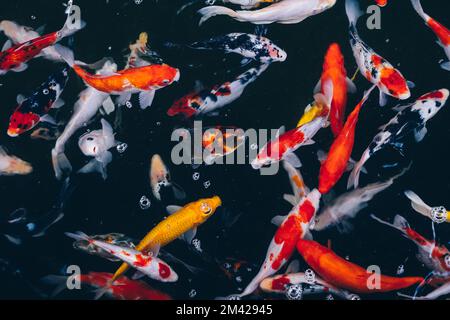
{"points": [[321, 156], [61, 165], [49, 119], [191, 269], [291, 199], [198, 86], [154, 250], [308, 235], [261, 30], [7, 45], [383, 99], [280, 131], [293, 160], [59, 281], [138, 275], [17, 216], [146, 99], [351, 164], [42, 233], [107, 132], [66, 54], [278, 220], [94, 166], [351, 87], [293, 267], [353, 11], [58, 104], [40, 30], [328, 91], [14, 240], [417, 203], [20, 68], [20, 98], [445, 65], [411, 85], [123, 98], [400, 223], [108, 106], [353, 179], [318, 87], [178, 191], [418, 7], [245, 62], [309, 142], [189, 235], [78, 236], [398, 108], [102, 291], [72, 24], [173, 209], [211, 11], [420, 133]]}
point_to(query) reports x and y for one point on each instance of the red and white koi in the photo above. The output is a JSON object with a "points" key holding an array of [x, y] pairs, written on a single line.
{"points": [[435, 257], [441, 32], [371, 65], [15, 57], [285, 12], [150, 265], [291, 228]]}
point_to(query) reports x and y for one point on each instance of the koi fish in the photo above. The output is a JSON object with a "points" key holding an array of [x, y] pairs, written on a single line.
{"points": [[250, 46], [116, 239], [441, 32], [350, 204], [336, 163], [15, 57], [34, 109], [89, 102], [160, 177], [285, 12], [291, 228], [123, 289], [435, 257], [371, 65], [437, 214], [182, 222], [320, 107], [11, 165], [344, 274], [150, 265], [143, 80], [443, 290], [96, 144], [299, 188], [334, 71], [411, 119], [283, 147], [281, 283], [21, 34], [208, 101]]}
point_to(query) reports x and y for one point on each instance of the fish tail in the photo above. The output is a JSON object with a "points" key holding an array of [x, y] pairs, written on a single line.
{"points": [[353, 12], [400, 223], [66, 54], [353, 180], [103, 290], [418, 7], [61, 165], [122, 269], [212, 11], [73, 22], [410, 297], [417, 203], [78, 236]]}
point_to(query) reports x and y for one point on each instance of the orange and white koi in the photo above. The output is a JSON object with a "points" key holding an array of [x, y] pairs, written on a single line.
{"points": [[149, 265], [123, 289], [346, 275], [371, 65], [143, 80], [291, 228], [435, 257], [160, 177], [336, 163], [437, 214], [15, 57], [441, 32]]}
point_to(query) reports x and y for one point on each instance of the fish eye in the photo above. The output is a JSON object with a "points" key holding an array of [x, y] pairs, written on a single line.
{"points": [[165, 81], [45, 91], [447, 260], [205, 208], [90, 139]]}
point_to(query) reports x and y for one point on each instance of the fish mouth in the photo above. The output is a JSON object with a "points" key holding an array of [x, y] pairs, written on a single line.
{"points": [[177, 76], [405, 96], [216, 201], [13, 133]]}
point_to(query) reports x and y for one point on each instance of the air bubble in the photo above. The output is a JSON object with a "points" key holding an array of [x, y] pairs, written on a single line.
{"points": [[197, 245], [144, 203], [254, 146], [354, 297], [310, 276], [330, 297], [239, 279], [207, 184], [138, 1], [128, 104], [121, 148], [192, 293], [294, 292], [439, 214], [196, 176], [400, 269]]}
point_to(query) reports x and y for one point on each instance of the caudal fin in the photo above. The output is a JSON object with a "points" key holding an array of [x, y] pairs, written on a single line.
{"points": [[61, 165], [212, 11], [418, 7], [353, 11], [353, 179], [417, 203], [79, 236]]}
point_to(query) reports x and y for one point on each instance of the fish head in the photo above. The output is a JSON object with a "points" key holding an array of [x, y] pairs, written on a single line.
{"points": [[205, 208], [166, 75], [187, 106], [59, 80], [165, 272], [394, 84], [91, 144], [20, 123], [275, 52], [334, 56], [431, 103]]}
